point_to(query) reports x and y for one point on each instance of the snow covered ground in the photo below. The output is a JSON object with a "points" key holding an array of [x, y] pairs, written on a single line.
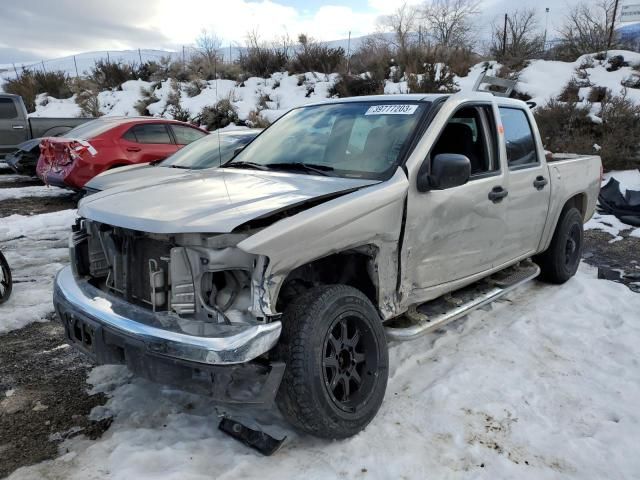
{"points": [[36, 247], [544, 384], [35, 191]]}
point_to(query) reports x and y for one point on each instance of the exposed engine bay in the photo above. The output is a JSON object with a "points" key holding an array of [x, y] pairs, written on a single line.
{"points": [[201, 278]]}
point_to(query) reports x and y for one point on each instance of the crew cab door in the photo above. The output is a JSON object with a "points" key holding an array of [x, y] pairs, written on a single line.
{"points": [[13, 126], [529, 185], [457, 232], [147, 142]]}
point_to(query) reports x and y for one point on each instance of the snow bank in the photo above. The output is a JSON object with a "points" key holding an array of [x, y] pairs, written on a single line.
{"points": [[47, 106], [273, 96], [542, 385], [545, 79], [36, 247]]}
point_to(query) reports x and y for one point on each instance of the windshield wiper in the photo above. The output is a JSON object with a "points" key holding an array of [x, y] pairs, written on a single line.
{"points": [[306, 167], [253, 165], [179, 166]]}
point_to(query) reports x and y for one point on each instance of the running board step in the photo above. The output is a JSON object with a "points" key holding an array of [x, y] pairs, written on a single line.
{"points": [[427, 317]]}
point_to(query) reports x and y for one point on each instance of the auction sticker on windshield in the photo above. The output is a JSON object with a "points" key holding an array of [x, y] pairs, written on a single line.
{"points": [[391, 110]]}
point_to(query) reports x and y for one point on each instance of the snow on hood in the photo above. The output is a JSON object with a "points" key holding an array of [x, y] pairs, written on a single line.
{"points": [[212, 201]]}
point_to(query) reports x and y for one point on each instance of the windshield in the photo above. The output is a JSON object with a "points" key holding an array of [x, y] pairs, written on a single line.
{"points": [[91, 129], [209, 151], [359, 139]]}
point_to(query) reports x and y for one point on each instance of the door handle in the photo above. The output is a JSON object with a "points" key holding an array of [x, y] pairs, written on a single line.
{"points": [[497, 194], [17, 127], [540, 182], [133, 149]]}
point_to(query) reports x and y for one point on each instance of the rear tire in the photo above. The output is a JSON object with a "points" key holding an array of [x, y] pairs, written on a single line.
{"points": [[337, 360], [561, 260]]}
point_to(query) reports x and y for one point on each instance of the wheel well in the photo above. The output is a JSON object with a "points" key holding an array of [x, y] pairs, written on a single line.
{"points": [[578, 201], [351, 267]]}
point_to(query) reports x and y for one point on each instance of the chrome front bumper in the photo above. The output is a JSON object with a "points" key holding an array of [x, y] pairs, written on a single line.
{"points": [[158, 333]]}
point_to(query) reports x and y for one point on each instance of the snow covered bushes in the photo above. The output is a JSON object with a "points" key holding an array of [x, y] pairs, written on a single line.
{"points": [[219, 115], [572, 126], [434, 78], [356, 85]]}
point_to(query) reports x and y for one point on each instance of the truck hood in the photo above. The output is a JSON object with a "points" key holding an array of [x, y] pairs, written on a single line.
{"points": [[209, 201]]}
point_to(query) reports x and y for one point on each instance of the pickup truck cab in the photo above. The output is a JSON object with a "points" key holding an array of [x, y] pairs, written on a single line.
{"points": [[283, 274], [17, 127]]}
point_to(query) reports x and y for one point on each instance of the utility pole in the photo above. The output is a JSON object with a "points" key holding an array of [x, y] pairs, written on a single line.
{"points": [[504, 36], [349, 54], [230, 56], [546, 26], [140, 56], [16, 70], [183, 57], [613, 24], [108, 61], [43, 69], [75, 65]]}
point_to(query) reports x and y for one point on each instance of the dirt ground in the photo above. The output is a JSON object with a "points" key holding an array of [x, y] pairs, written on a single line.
{"points": [[51, 400]]}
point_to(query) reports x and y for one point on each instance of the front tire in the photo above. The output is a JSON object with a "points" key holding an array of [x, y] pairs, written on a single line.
{"points": [[337, 360], [561, 260]]}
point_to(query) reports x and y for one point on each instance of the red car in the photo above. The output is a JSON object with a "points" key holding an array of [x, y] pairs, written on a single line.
{"points": [[108, 142]]}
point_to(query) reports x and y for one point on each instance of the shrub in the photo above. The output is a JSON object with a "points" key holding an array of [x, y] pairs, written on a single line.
{"points": [[109, 75], [565, 127], [195, 87], [219, 115], [148, 97], [355, 86], [570, 92], [30, 83], [619, 133], [87, 97], [312, 56], [597, 94], [631, 82], [568, 127], [179, 113], [434, 78], [255, 120]]}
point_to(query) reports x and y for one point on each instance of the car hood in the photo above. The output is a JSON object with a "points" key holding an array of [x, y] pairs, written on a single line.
{"points": [[214, 200], [131, 174]]}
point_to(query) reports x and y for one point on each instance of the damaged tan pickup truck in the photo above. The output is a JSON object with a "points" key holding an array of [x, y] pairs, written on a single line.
{"points": [[282, 275]]}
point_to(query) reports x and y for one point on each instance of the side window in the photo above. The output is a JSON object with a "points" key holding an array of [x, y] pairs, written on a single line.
{"points": [[519, 139], [471, 132], [148, 133], [7, 109], [186, 135]]}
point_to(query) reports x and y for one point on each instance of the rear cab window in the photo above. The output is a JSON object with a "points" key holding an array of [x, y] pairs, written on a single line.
{"points": [[8, 109], [519, 138], [154, 133]]}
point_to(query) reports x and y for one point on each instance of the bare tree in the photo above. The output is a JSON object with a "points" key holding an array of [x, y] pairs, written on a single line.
{"points": [[403, 23], [450, 22], [208, 46], [523, 39], [586, 28]]}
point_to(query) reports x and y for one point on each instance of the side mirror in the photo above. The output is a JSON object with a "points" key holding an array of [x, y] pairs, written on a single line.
{"points": [[447, 170]]}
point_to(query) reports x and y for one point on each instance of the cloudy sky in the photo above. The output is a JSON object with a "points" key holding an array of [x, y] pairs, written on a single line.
{"points": [[43, 29]]}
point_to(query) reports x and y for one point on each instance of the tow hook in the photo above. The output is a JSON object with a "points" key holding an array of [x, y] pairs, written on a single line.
{"points": [[260, 441]]}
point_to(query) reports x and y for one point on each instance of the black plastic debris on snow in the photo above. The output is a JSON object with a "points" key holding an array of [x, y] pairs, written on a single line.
{"points": [[626, 207], [260, 441]]}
